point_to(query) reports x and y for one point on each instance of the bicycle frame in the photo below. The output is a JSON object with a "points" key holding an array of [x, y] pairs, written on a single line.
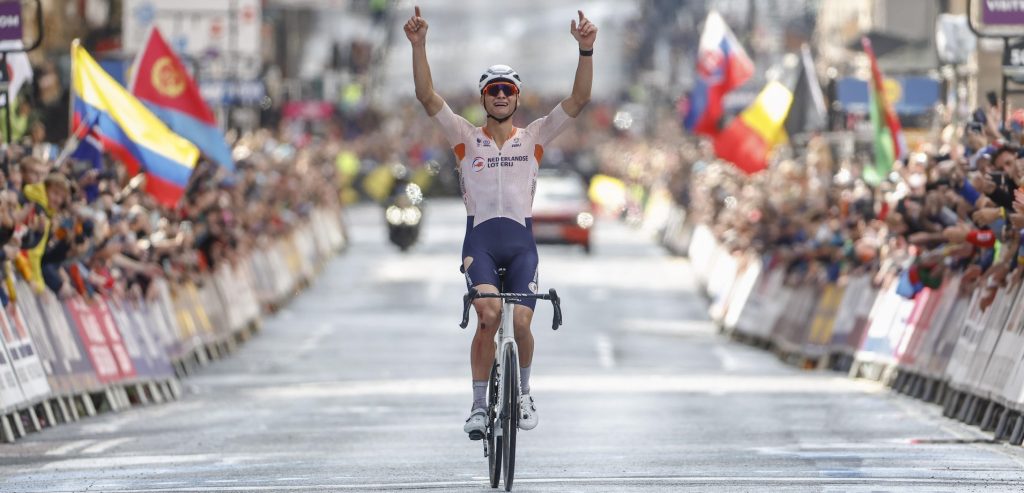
{"points": [[506, 340]]}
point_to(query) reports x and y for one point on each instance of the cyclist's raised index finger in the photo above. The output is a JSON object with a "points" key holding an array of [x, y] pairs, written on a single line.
{"points": [[418, 11]]}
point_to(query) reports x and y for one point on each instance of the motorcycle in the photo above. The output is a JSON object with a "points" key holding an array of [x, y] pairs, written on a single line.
{"points": [[404, 215]]}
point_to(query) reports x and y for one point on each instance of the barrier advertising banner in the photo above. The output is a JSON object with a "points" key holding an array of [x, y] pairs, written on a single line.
{"points": [[887, 323], [741, 292], [820, 336], [24, 357], [69, 368], [102, 315], [95, 340], [858, 287], [764, 305], [10, 390], [142, 347], [992, 328]]}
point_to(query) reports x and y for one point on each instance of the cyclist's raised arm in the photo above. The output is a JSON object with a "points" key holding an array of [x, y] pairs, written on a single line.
{"points": [[416, 31], [585, 34]]}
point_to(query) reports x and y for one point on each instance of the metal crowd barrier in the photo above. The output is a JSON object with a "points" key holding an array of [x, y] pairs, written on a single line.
{"points": [[61, 360], [940, 346]]}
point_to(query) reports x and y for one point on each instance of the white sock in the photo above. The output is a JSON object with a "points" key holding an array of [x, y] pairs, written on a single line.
{"points": [[524, 379], [479, 394]]}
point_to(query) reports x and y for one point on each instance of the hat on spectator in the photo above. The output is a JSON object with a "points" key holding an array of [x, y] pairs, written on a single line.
{"points": [[984, 153]]}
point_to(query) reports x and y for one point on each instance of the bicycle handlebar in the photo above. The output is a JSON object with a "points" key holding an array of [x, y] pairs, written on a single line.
{"points": [[556, 303]]}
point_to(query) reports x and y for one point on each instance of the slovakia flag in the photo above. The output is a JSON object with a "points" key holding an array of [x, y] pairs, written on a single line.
{"points": [[722, 65]]}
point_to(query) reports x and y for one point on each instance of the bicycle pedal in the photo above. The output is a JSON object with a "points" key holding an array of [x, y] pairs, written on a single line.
{"points": [[476, 435]]}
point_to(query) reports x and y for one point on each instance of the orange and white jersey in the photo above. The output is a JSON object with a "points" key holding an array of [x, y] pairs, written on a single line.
{"points": [[499, 182]]}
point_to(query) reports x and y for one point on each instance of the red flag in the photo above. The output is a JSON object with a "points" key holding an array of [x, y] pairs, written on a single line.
{"points": [[160, 78]]}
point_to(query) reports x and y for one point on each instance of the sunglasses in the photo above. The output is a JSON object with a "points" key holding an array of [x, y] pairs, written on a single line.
{"points": [[494, 88]]}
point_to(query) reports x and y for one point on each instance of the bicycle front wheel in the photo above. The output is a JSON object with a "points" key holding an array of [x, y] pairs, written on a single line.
{"points": [[493, 443], [510, 411]]}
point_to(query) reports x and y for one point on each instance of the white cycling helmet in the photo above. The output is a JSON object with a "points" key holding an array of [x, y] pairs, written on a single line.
{"points": [[500, 73]]}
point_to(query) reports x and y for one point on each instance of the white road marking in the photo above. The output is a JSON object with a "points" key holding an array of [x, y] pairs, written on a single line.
{"points": [[716, 383], [680, 480], [69, 447], [729, 362], [313, 340], [605, 351], [669, 327], [112, 462], [101, 447]]}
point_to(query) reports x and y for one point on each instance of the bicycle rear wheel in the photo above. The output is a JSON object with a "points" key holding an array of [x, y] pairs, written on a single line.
{"points": [[510, 411], [493, 443]]}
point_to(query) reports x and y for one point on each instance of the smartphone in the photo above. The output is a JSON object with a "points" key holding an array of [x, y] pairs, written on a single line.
{"points": [[993, 100]]}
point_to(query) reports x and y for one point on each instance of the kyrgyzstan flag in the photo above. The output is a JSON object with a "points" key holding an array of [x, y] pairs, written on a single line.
{"points": [[160, 80]]}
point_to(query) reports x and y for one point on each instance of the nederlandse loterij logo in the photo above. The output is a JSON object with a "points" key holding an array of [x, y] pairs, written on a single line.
{"points": [[478, 163]]}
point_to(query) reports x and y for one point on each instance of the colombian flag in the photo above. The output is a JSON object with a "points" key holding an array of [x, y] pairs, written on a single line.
{"points": [[159, 79], [128, 130], [889, 142]]}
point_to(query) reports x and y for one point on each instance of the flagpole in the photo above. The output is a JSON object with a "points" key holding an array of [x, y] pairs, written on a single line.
{"points": [[71, 97], [72, 142], [5, 81]]}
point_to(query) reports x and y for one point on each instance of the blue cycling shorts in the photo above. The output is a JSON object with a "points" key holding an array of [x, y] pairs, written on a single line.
{"points": [[502, 242]]}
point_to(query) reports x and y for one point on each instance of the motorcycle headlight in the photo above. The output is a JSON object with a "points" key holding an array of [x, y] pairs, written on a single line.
{"points": [[411, 216], [585, 220], [414, 193], [393, 215]]}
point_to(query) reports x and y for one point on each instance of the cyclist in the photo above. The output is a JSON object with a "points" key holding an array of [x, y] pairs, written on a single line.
{"points": [[497, 166]]}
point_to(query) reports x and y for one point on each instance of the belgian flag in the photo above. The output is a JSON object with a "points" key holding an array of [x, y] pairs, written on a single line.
{"points": [[789, 105]]}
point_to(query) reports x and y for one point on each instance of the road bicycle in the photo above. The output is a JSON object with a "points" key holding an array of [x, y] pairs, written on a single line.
{"points": [[503, 385]]}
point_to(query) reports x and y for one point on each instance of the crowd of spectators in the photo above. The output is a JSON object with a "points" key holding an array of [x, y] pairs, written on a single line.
{"points": [[949, 206], [78, 229]]}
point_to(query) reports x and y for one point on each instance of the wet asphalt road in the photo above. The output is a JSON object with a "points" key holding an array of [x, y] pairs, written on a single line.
{"points": [[362, 384]]}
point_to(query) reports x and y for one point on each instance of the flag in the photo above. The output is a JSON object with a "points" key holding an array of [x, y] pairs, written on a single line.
{"points": [[807, 113], [160, 80], [128, 130], [748, 139], [890, 144], [722, 65], [90, 150], [19, 71]]}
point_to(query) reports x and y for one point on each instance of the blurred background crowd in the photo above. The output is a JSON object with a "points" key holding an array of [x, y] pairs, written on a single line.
{"points": [[320, 111], [77, 229]]}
